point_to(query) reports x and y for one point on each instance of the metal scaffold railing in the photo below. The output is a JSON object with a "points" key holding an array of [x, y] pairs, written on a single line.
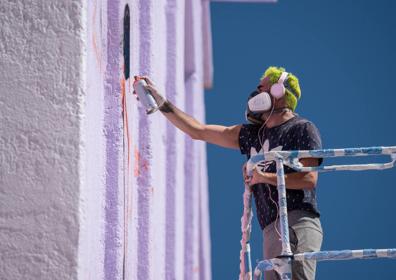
{"points": [[282, 263]]}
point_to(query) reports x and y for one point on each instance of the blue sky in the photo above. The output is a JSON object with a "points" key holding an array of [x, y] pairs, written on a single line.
{"points": [[344, 55]]}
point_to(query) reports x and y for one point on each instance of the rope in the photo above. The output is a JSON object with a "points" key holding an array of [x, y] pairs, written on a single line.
{"points": [[246, 227]]}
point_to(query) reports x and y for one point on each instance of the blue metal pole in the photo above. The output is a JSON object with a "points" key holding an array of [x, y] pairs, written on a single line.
{"points": [[284, 224], [286, 253], [347, 255]]}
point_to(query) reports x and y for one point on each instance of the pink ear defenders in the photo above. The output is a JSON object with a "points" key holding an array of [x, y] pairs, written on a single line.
{"points": [[278, 90], [260, 102]]}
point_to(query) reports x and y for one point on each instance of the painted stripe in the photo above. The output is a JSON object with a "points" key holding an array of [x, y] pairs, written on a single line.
{"points": [[391, 253], [189, 151], [347, 254], [289, 155], [357, 253], [293, 154], [339, 152], [286, 250], [144, 179], [171, 153], [112, 128], [381, 253]]}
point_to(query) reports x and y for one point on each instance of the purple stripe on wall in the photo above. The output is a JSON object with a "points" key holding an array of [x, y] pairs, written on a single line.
{"points": [[170, 143], [189, 193], [144, 179], [112, 129], [188, 204], [202, 226], [189, 68]]}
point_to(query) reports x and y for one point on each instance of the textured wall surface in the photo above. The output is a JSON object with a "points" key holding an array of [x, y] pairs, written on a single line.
{"points": [[90, 186], [167, 225], [93, 161], [41, 97]]}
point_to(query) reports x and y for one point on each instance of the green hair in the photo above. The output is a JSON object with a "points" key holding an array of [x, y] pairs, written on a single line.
{"points": [[293, 91]]}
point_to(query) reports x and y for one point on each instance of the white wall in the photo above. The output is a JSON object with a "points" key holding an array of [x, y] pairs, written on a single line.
{"points": [[41, 46], [90, 186]]}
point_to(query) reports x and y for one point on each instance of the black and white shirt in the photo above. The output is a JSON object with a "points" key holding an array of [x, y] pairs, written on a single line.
{"points": [[295, 134]]}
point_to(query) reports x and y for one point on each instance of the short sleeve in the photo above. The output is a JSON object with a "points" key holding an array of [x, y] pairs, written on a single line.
{"points": [[309, 138], [246, 138]]}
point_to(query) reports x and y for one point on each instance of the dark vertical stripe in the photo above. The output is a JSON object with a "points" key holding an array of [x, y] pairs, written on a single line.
{"points": [[126, 149], [126, 41]]}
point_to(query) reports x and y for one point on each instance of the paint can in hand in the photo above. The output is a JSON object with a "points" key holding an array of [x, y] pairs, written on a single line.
{"points": [[145, 95]]}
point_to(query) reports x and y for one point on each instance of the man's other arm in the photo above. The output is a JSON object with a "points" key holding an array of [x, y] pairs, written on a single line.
{"points": [[296, 181]]}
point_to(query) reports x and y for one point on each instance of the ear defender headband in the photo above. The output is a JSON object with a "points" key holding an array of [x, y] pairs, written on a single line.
{"points": [[278, 90], [260, 102]]}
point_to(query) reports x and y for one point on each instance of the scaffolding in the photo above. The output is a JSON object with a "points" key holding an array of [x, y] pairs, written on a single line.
{"points": [[282, 263]]}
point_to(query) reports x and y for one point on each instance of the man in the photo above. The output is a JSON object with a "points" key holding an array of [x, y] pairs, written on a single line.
{"points": [[274, 126]]}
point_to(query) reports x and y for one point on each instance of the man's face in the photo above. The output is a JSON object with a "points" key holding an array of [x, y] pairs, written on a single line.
{"points": [[264, 85]]}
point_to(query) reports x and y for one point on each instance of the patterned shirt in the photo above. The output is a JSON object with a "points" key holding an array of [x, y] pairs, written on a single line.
{"points": [[296, 133]]}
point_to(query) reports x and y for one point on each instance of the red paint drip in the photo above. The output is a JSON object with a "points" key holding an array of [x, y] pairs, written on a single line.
{"points": [[136, 166], [98, 51], [127, 202]]}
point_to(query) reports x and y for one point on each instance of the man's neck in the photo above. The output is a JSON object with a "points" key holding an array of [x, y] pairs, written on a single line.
{"points": [[279, 118]]}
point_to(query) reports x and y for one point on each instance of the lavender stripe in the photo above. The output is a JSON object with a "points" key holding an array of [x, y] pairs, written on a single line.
{"points": [[189, 69], [188, 203], [202, 225], [144, 179], [170, 144], [112, 130], [188, 193]]}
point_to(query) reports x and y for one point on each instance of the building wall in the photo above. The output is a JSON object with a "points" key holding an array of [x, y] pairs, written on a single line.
{"points": [[41, 101], [92, 187], [167, 192]]}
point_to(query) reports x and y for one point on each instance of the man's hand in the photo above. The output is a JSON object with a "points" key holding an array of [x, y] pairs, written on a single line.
{"points": [[297, 180], [254, 179], [246, 178], [257, 178], [154, 91], [224, 136]]}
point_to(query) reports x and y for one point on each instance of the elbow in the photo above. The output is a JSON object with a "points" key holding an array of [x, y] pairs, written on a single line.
{"points": [[195, 136], [310, 185], [311, 180], [197, 133]]}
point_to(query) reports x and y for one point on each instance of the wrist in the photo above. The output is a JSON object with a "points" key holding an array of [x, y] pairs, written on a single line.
{"points": [[263, 178], [166, 107]]}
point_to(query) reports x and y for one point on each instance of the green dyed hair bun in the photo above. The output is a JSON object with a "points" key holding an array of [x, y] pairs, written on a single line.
{"points": [[293, 92]]}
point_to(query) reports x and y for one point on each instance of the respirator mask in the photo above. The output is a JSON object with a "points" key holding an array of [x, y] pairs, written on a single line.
{"points": [[262, 102]]}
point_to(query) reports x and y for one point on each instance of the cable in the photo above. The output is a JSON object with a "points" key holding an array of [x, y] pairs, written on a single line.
{"points": [[260, 172]]}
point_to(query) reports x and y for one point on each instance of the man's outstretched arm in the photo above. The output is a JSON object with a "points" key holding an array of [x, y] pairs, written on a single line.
{"points": [[224, 136]]}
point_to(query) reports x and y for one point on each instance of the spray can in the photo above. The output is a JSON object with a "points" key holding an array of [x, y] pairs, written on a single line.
{"points": [[145, 95]]}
